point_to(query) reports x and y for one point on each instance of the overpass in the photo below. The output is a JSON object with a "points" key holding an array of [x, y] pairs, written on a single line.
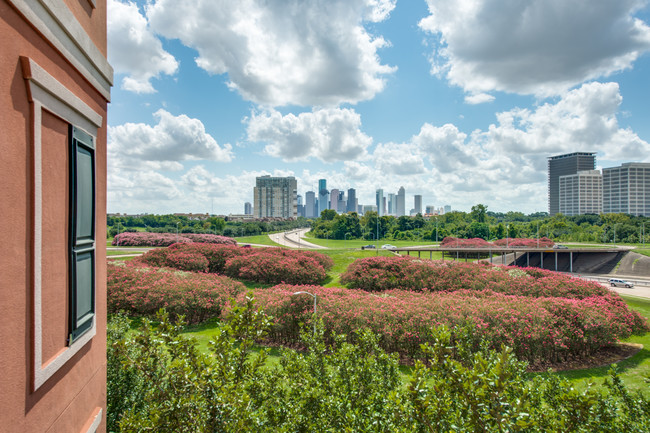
{"points": [[558, 259]]}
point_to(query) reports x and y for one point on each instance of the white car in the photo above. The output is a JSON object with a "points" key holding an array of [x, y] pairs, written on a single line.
{"points": [[388, 247], [620, 283]]}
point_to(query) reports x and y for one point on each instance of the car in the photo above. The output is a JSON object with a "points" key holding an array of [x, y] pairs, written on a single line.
{"points": [[368, 247], [388, 247], [614, 282], [560, 247], [246, 246]]}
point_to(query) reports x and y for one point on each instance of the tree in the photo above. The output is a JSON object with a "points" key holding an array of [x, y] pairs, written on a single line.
{"points": [[328, 214], [479, 213]]}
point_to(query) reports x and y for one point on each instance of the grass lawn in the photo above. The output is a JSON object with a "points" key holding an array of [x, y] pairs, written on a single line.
{"points": [[260, 239], [121, 252], [644, 251]]}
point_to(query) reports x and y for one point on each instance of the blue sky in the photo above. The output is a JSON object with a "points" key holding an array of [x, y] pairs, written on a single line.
{"points": [[460, 101]]}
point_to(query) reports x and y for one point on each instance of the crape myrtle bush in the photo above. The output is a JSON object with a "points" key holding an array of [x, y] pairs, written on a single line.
{"points": [[145, 239], [264, 265], [141, 291], [160, 381], [539, 329], [409, 273], [450, 241]]}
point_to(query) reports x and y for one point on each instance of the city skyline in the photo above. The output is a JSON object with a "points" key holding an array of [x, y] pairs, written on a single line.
{"points": [[453, 99]]}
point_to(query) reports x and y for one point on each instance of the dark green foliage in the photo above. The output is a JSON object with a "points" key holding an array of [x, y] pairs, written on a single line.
{"points": [[159, 381]]}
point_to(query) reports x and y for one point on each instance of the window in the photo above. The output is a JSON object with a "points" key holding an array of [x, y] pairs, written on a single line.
{"points": [[82, 232]]}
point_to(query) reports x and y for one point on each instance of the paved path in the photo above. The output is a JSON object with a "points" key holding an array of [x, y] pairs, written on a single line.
{"points": [[294, 239]]}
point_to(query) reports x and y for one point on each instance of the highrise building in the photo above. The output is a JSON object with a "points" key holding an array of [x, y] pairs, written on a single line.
{"points": [[352, 200], [323, 196], [310, 204], [446, 209], [417, 202], [301, 207], [581, 193], [379, 197], [401, 202], [430, 210], [342, 202], [392, 204], [626, 189], [564, 165], [275, 197], [334, 199], [248, 208]]}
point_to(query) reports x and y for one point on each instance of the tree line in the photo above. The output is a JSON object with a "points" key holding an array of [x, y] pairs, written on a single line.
{"points": [[216, 225], [484, 224]]}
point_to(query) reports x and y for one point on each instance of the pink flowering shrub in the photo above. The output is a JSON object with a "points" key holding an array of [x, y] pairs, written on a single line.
{"points": [[276, 265], [525, 242], [264, 265], [407, 273], [187, 261], [143, 291], [538, 329], [146, 239], [450, 241]]}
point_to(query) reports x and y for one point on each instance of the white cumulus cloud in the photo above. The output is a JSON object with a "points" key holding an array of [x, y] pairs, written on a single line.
{"points": [[282, 53], [540, 47], [172, 139], [134, 50], [329, 134]]}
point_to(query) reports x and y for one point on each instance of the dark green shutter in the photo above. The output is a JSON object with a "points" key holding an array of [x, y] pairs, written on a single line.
{"points": [[82, 232]]}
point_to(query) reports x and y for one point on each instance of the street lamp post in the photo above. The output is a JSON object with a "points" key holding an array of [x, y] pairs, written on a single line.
{"points": [[538, 234], [345, 239], [177, 223], [507, 235], [313, 296]]}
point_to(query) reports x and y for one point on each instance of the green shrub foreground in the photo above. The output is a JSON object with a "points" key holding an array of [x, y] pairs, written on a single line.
{"points": [[158, 380]]}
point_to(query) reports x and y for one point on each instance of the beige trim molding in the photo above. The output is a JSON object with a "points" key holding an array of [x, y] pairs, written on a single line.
{"points": [[96, 421], [46, 93], [60, 27]]}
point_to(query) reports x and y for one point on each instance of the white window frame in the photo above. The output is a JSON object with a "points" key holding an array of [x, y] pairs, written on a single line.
{"points": [[47, 93]]}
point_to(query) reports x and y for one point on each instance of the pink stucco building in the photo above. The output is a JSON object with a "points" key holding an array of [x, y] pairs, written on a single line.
{"points": [[54, 89]]}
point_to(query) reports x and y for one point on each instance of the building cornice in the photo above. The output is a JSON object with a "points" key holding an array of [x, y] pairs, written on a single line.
{"points": [[60, 27]]}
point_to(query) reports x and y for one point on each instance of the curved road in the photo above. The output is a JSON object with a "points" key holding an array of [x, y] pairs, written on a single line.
{"points": [[294, 239]]}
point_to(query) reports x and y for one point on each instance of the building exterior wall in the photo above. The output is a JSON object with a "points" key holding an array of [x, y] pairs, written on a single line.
{"points": [[626, 189], [53, 74], [275, 197], [581, 193], [564, 165]]}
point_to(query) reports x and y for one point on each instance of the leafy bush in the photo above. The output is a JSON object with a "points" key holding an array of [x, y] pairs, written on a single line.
{"points": [[146, 239], [264, 265], [540, 330], [451, 241], [347, 386], [143, 291]]}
